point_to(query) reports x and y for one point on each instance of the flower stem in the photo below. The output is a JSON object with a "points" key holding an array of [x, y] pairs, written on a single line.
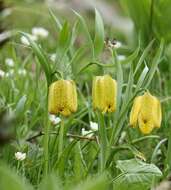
{"points": [[61, 138], [18, 166], [103, 141], [46, 145]]}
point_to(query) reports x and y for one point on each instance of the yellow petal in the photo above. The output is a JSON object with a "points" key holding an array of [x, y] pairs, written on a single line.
{"points": [[148, 106], [157, 113], [94, 93], [72, 96], [98, 93], [110, 86], [146, 126], [65, 112], [62, 97], [147, 110], [104, 92], [52, 104], [135, 111]]}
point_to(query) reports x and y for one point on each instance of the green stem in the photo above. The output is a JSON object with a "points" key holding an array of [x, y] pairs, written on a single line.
{"points": [[55, 144], [61, 138], [18, 166], [23, 169], [151, 18], [145, 138], [46, 144], [103, 141]]}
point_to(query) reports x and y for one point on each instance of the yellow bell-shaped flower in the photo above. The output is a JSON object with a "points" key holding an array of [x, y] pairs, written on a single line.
{"points": [[62, 97], [146, 112], [104, 92]]}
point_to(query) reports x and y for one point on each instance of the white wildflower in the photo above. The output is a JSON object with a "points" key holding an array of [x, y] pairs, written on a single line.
{"points": [[55, 120], [86, 133], [20, 156], [40, 32], [93, 126], [25, 41], [10, 73], [117, 44], [121, 57], [71, 139], [2, 73], [53, 57], [22, 72], [9, 62]]}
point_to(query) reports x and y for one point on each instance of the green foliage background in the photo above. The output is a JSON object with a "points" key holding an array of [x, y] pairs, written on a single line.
{"points": [[77, 39]]}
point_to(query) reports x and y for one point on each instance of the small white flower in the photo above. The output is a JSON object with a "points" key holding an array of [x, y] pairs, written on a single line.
{"points": [[40, 32], [2, 73], [22, 72], [10, 73], [121, 57], [53, 57], [25, 41], [93, 126], [9, 62], [117, 44], [86, 133], [71, 139], [20, 156], [55, 120]]}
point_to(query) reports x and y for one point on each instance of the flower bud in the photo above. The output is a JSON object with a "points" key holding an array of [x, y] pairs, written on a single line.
{"points": [[104, 92], [146, 112], [62, 97]]}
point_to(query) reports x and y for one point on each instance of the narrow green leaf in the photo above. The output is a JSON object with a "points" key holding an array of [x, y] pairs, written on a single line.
{"points": [[79, 170], [55, 20], [143, 56], [43, 60], [84, 25], [95, 63], [21, 105], [154, 155], [61, 162], [129, 86], [119, 83], [132, 57], [99, 34], [78, 54], [154, 64], [142, 78], [64, 36], [168, 158]]}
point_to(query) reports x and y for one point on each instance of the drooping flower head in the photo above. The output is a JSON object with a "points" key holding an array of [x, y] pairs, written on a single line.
{"points": [[104, 92], [62, 97], [146, 112]]}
